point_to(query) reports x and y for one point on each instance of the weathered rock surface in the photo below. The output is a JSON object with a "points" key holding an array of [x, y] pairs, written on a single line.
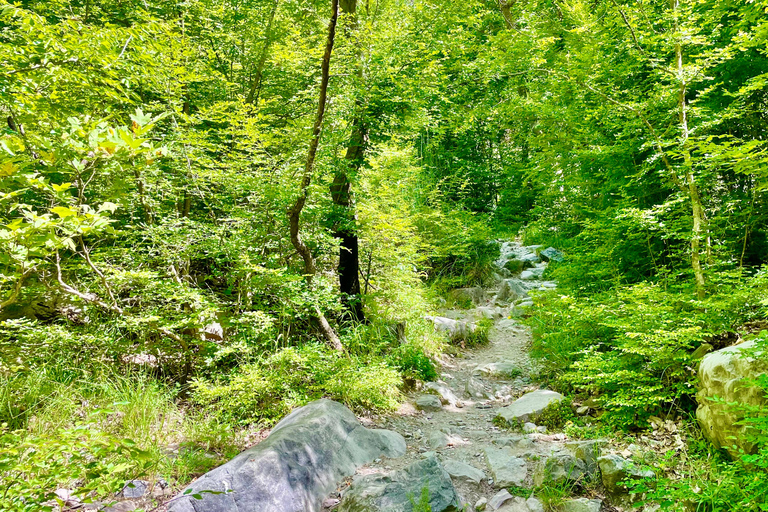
{"points": [[582, 505], [529, 406], [724, 374], [507, 469], [511, 289], [135, 489], [453, 328], [550, 253], [518, 504], [394, 492], [588, 452], [614, 469], [447, 396], [429, 403], [502, 369], [559, 468], [463, 472], [296, 467]]}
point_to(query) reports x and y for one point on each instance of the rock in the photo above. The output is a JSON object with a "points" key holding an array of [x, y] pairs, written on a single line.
{"points": [[615, 469], [437, 440], [394, 492], [501, 369], [331, 502], [559, 468], [724, 374], [531, 257], [474, 388], [550, 253], [534, 273], [519, 442], [582, 505], [121, 506], [213, 332], [296, 467], [476, 295], [704, 349], [522, 505], [463, 472], [135, 489], [588, 452], [481, 503], [499, 499], [491, 313], [510, 290], [429, 403], [447, 396], [529, 406], [582, 411], [453, 328], [529, 428], [516, 266], [507, 470]]}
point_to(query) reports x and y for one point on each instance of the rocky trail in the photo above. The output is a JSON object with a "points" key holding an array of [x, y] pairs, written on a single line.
{"points": [[451, 425], [460, 443]]}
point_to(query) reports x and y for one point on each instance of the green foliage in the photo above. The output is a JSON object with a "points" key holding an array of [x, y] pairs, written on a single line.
{"points": [[82, 457], [411, 361], [631, 347], [268, 389], [556, 415]]}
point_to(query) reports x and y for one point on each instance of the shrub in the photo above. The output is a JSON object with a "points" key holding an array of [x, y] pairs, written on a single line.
{"points": [[267, 390]]}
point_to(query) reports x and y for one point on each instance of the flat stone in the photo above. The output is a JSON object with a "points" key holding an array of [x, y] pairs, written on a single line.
{"points": [[507, 469], [519, 504], [393, 492], [474, 388], [501, 369], [135, 489], [582, 505], [463, 472], [499, 499], [294, 469], [429, 403], [528, 406], [481, 503]]}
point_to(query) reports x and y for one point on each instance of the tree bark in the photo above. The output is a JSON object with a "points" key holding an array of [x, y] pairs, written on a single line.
{"points": [[253, 91], [697, 210], [341, 194], [294, 213]]}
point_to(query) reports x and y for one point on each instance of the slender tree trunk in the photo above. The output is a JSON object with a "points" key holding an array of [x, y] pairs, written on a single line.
{"points": [[294, 213], [253, 91], [697, 210], [341, 194]]}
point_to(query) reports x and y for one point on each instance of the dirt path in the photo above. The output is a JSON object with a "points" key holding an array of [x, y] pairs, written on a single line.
{"points": [[474, 386]]}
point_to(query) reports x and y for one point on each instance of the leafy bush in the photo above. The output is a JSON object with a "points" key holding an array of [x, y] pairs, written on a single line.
{"points": [[268, 389], [83, 458], [631, 347], [411, 361]]}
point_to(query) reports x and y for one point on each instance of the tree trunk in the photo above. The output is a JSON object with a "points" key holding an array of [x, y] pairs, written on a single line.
{"points": [[697, 210], [253, 91], [341, 194], [294, 213]]}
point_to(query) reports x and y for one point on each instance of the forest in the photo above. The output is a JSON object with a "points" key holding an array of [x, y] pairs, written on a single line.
{"points": [[213, 212]]}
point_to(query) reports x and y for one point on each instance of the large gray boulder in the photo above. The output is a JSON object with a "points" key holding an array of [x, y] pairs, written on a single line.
{"points": [[529, 406], [587, 451], [463, 472], [582, 505], [724, 374], [295, 468], [559, 468], [399, 490]]}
